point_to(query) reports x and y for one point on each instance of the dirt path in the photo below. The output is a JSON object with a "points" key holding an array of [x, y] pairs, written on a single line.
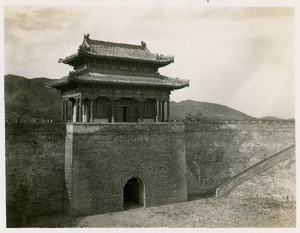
{"points": [[209, 212]]}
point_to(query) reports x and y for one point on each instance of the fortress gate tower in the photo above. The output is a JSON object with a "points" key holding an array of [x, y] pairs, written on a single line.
{"points": [[112, 167]]}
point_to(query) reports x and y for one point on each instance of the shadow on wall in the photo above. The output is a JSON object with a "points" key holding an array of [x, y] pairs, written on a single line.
{"points": [[15, 218], [207, 166]]}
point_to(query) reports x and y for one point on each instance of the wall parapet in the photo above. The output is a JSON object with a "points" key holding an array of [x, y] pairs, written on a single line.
{"points": [[21, 128], [125, 129]]}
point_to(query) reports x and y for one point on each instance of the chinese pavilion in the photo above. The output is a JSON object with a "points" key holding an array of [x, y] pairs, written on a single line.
{"points": [[113, 82]]}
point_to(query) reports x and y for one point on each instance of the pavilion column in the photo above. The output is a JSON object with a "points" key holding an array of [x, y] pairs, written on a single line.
{"points": [[113, 110], [84, 111], [75, 118], [142, 111], [87, 111], [80, 110], [168, 111], [159, 111], [156, 113], [92, 111], [64, 110], [65, 115], [163, 112], [73, 112]]}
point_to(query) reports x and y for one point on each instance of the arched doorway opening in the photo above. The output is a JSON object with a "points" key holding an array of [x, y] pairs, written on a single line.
{"points": [[133, 194]]}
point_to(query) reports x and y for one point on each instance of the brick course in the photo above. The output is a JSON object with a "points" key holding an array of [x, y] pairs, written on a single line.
{"points": [[218, 151], [106, 156], [35, 167], [54, 168]]}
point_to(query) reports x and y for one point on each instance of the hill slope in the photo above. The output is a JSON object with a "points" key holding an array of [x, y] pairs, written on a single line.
{"points": [[208, 110], [29, 99]]}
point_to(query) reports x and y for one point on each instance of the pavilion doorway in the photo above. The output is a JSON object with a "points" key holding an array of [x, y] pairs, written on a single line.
{"points": [[125, 113], [133, 194]]}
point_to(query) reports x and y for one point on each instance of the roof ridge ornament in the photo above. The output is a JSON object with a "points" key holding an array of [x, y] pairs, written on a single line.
{"points": [[143, 44], [85, 44], [163, 57]]}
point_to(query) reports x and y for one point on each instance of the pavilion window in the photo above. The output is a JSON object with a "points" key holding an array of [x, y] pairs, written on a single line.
{"points": [[101, 108], [149, 108]]}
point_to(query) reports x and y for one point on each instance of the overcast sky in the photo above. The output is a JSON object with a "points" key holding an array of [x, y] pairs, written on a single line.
{"points": [[239, 57]]}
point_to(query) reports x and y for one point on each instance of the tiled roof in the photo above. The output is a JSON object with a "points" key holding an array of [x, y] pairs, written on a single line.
{"points": [[101, 78], [57, 83], [96, 48]]}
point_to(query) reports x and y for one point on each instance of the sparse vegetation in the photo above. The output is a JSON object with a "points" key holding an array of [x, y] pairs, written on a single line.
{"points": [[198, 117]]}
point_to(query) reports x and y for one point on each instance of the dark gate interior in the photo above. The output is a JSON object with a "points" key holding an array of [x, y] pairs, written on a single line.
{"points": [[133, 194]]}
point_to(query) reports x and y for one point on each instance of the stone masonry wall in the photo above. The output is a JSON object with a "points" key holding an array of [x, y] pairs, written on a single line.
{"points": [[216, 152], [35, 167], [278, 182], [104, 157]]}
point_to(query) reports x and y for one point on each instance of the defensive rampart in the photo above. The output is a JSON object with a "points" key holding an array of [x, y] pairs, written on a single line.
{"points": [[34, 156], [255, 170], [53, 168], [218, 151]]}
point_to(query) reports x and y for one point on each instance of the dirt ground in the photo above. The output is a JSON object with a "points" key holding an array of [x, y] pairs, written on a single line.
{"points": [[209, 213]]}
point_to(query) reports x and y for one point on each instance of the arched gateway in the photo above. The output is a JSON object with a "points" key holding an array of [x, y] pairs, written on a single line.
{"points": [[133, 194]]}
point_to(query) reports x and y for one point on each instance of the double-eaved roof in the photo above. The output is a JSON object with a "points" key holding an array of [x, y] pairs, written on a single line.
{"points": [[101, 49]]}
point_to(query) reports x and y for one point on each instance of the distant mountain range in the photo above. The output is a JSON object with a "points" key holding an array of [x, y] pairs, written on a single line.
{"points": [[208, 111], [29, 99]]}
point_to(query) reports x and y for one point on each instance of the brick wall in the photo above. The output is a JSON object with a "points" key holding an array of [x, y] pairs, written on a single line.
{"points": [[278, 182], [35, 167], [255, 170], [216, 152], [105, 157]]}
